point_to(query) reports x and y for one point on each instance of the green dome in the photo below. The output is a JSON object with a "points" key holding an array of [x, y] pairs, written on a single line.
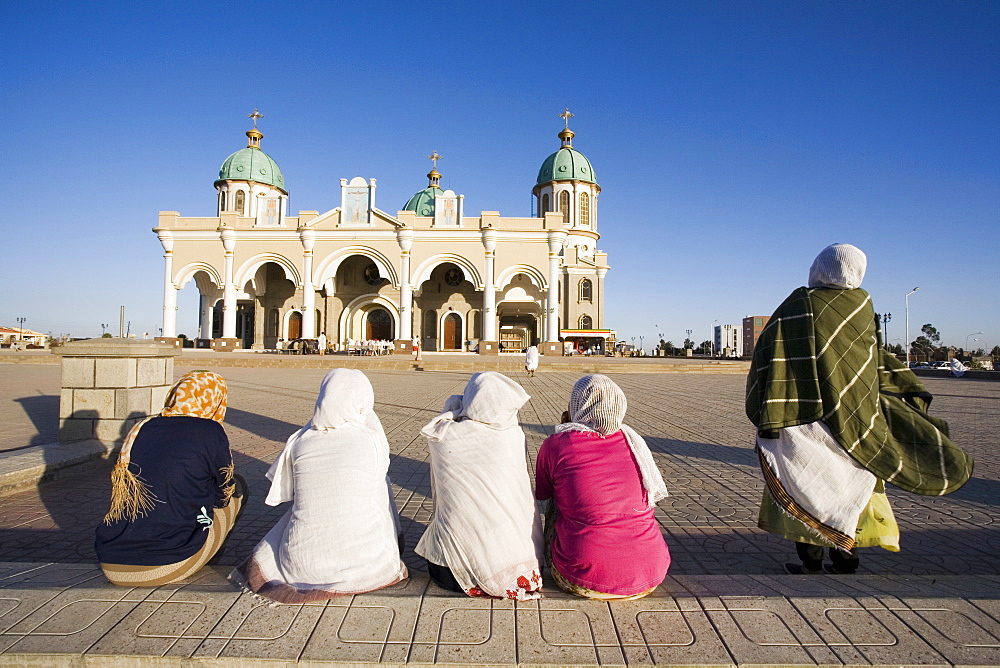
{"points": [[422, 201], [252, 164], [566, 164]]}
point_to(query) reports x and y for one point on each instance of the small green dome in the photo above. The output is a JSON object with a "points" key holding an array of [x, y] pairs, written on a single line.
{"points": [[422, 201], [566, 164], [252, 164]]}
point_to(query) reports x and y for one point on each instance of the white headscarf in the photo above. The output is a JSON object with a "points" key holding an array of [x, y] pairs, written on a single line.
{"points": [[341, 533], [598, 405], [838, 266], [485, 527]]}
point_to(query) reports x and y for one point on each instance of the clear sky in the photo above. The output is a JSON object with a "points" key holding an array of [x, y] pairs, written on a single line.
{"points": [[732, 141]]}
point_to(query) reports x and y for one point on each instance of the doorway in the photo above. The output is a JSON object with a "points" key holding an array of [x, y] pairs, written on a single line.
{"points": [[378, 325], [452, 334], [295, 326]]}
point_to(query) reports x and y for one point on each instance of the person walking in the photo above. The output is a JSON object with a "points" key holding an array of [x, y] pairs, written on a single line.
{"points": [[837, 417]]}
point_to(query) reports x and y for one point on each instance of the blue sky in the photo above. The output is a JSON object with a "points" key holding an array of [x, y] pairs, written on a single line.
{"points": [[732, 141]]}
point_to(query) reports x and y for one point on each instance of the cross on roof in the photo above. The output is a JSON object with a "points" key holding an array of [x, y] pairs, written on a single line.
{"points": [[565, 115], [434, 157], [255, 115]]}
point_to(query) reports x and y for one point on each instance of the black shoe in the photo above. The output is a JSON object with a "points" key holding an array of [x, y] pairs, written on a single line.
{"points": [[799, 569], [832, 570]]}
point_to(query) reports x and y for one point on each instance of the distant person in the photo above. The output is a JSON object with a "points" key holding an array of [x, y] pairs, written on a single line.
{"points": [[601, 538], [321, 343], [957, 368], [341, 535], [531, 360], [174, 496], [279, 345], [485, 537], [836, 418]]}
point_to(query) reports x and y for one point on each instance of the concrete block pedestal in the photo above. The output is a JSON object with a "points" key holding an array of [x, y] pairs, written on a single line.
{"points": [[110, 384], [171, 341], [554, 348], [226, 345], [489, 348]]}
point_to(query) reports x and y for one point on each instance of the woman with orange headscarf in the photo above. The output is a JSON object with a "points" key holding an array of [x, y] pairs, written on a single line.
{"points": [[174, 497]]}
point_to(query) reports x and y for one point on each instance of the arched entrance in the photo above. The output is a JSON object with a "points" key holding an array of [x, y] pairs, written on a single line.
{"points": [[451, 334], [378, 325], [295, 326]]}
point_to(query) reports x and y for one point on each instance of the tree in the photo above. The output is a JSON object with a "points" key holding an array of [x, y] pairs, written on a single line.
{"points": [[930, 331], [106, 335], [688, 343], [995, 352], [705, 348]]}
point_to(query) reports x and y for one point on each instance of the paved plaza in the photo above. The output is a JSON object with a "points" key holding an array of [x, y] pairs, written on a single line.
{"points": [[727, 600]]}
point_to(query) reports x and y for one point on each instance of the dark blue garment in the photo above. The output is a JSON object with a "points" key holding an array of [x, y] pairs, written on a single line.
{"points": [[181, 459]]}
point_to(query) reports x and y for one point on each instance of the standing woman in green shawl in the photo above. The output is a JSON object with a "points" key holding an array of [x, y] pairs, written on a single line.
{"points": [[837, 417]]}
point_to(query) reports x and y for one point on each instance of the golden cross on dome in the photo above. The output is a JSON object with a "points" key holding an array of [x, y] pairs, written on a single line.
{"points": [[434, 157], [255, 115], [565, 115]]}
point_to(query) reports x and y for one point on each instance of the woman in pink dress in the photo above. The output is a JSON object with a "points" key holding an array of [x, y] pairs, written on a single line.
{"points": [[601, 538]]}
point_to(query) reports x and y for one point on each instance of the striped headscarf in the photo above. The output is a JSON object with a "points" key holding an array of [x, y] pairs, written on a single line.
{"points": [[200, 394], [597, 404]]}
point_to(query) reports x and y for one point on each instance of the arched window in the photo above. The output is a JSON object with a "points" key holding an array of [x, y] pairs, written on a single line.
{"points": [[222, 200], [585, 209], [564, 206], [240, 201], [586, 322], [545, 205], [586, 290]]}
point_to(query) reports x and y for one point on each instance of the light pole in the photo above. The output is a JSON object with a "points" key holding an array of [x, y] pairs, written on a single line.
{"points": [[886, 317], [20, 325], [104, 328], [906, 343], [640, 344], [967, 341]]}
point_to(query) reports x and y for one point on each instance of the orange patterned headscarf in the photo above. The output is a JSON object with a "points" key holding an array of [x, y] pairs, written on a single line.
{"points": [[199, 394]]}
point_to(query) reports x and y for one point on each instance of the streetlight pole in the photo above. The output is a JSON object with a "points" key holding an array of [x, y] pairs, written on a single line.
{"points": [[967, 341], [886, 317], [906, 343]]}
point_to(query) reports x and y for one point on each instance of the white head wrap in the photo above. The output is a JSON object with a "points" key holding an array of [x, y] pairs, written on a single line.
{"points": [[485, 526], [346, 399], [490, 398], [838, 266], [598, 405]]}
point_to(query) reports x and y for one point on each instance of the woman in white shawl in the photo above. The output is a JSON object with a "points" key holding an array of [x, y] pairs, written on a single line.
{"points": [[485, 537], [531, 360], [341, 536]]}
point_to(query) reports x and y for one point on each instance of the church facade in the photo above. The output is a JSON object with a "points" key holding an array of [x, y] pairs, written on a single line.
{"points": [[355, 272]]}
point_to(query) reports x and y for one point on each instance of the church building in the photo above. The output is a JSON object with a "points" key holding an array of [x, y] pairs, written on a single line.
{"points": [[355, 272]]}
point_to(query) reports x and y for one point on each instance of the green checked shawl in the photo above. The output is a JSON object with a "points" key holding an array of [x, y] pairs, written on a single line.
{"points": [[819, 358]]}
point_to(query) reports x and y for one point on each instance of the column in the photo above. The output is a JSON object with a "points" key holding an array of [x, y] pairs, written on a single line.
{"points": [[229, 288], [489, 289], [205, 317], [169, 290], [405, 239], [556, 238], [308, 238], [599, 297]]}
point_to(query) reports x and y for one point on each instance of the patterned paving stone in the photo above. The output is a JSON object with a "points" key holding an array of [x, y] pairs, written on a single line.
{"points": [[726, 602]]}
